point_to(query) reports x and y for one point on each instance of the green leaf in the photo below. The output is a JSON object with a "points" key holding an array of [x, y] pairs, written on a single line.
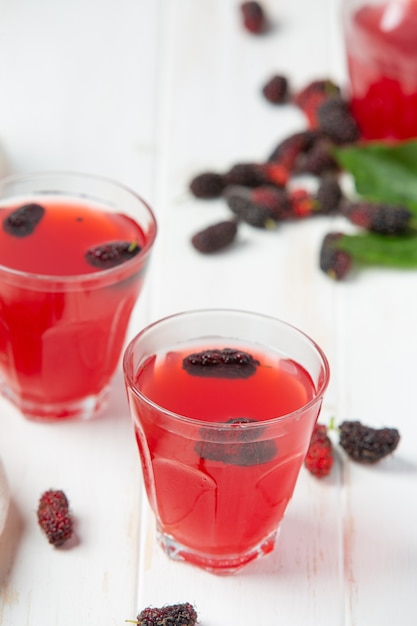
{"points": [[374, 249], [383, 172]]}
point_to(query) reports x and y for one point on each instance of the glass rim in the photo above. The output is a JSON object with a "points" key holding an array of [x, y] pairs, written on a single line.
{"points": [[97, 275], [222, 426]]}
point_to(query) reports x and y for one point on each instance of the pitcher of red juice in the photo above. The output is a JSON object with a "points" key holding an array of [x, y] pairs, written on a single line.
{"points": [[381, 50]]}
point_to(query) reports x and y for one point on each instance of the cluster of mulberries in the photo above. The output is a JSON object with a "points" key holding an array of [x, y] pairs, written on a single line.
{"points": [[361, 443], [265, 194], [259, 193]]}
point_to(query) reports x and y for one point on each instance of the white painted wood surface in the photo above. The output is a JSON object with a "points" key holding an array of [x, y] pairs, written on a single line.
{"points": [[150, 92]]}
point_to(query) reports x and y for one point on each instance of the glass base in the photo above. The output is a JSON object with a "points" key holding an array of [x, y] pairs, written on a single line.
{"points": [[81, 409], [220, 565]]}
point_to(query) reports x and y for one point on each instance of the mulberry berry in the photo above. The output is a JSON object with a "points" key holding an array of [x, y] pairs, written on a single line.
{"points": [[276, 89], [207, 185], [22, 221], [385, 219], [288, 151], [169, 615], [319, 458], [310, 97], [365, 444], [335, 119], [274, 199], [243, 454], [318, 160], [262, 206], [329, 196], [253, 16], [215, 237], [225, 363], [289, 148], [113, 253], [245, 174], [54, 517], [237, 446], [333, 262], [240, 203]]}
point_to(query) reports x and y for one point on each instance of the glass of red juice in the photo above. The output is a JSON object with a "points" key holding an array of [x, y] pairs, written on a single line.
{"points": [[223, 405], [381, 49], [73, 255]]}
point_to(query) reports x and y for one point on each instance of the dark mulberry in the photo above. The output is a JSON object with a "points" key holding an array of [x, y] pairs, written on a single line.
{"points": [[246, 174], [385, 219], [207, 185], [365, 444], [310, 97], [274, 199], [319, 160], [215, 237], [169, 615], [329, 196], [253, 16], [22, 221], [333, 262], [289, 150], [248, 209], [112, 253], [236, 446], [291, 147], [224, 363], [335, 119], [276, 89]]}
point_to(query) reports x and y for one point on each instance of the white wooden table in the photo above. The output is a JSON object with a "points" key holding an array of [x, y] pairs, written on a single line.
{"points": [[151, 92]]}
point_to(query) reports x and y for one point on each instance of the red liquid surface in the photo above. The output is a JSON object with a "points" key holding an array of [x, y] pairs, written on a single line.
{"points": [[223, 505], [60, 341], [382, 61]]}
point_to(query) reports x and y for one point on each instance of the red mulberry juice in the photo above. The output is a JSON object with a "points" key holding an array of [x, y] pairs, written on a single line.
{"points": [[381, 45], [219, 489], [63, 321]]}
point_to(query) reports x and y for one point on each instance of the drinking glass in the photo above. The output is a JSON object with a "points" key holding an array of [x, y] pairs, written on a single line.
{"points": [[63, 321], [223, 405]]}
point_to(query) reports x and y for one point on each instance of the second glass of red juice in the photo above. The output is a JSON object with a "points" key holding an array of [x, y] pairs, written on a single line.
{"points": [[381, 49], [223, 405], [74, 250]]}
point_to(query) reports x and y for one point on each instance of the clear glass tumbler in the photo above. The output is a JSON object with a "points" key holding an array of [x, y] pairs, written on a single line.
{"points": [[381, 50], [223, 405], [73, 254]]}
